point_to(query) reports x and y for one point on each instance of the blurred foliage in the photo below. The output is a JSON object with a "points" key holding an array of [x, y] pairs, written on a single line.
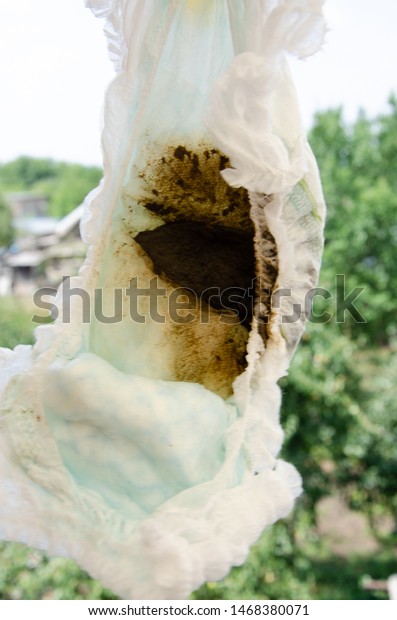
{"points": [[6, 231], [64, 185], [340, 405], [291, 562], [340, 418], [28, 574], [339, 401], [16, 326], [358, 165]]}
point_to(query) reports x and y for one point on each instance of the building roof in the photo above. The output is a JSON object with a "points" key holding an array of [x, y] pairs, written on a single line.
{"points": [[35, 226], [67, 223], [29, 258]]}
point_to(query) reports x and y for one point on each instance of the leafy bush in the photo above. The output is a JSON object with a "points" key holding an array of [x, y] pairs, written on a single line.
{"points": [[6, 230], [16, 325], [65, 185]]}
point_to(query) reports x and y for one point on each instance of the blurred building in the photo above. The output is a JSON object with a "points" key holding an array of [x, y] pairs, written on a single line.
{"points": [[45, 249]]}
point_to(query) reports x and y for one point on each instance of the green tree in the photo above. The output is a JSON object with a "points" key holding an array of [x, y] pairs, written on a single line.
{"points": [[69, 187], [339, 404], [356, 164], [65, 185], [6, 230], [24, 172]]}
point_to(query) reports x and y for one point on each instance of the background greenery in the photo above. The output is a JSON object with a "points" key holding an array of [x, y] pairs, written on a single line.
{"points": [[65, 185], [339, 407]]}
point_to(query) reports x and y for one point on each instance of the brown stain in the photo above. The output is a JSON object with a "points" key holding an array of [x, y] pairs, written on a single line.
{"points": [[181, 184], [213, 355], [216, 262], [185, 183]]}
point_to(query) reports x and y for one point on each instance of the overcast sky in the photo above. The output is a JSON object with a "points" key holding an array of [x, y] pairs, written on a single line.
{"points": [[54, 71]]}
